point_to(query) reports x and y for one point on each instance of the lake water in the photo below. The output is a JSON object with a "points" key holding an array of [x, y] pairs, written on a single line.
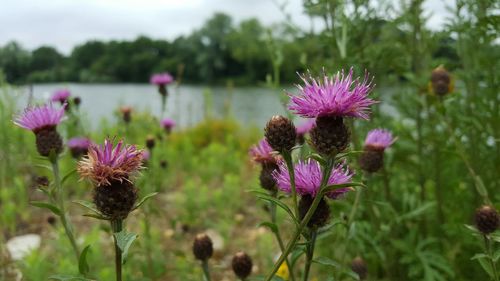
{"points": [[251, 106]]}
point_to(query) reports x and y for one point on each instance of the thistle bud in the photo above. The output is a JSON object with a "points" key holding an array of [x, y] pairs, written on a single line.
{"points": [[330, 135], [266, 178], [371, 160], [321, 215], [487, 219], [358, 265], [115, 200], [242, 265], [150, 142], [77, 101], [280, 133], [48, 140], [163, 164], [42, 181], [126, 114], [202, 247], [441, 82]]}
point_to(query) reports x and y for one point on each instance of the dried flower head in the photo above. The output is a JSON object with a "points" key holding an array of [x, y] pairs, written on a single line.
{"points": [[159, 79], [262, 152], [308, 177], [39, 117], [338, 95], [242, 265], [107, 163], [280, 133], [203, 247]]}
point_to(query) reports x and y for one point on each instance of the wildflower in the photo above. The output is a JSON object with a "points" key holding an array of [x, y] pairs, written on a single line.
{"points": [[161, 80], [280, 133], [303, 129], [111, 169], [321, 215], [441, 82], [146, 155], [126, 114], [487, 219], [203, 247], [330, 101], [262, 152], [308, 177], [358, 265], [42, 121], [283, 271], [167, 124], [242, 265], [78, 146], [150, 142], [61, 96], [376, 142]]}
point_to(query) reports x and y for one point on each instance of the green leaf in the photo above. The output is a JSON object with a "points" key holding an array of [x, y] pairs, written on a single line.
{"points": [[417, 212], [83, 266], [96, 216], [44, 166], [68, 278], [318, 158], [89, 205], [41, 204], [337, 186], [279, 204], [479, 256], [144, 199], [124, 240], [486, 266], [327, 261], [68, 175], [272, 226]]}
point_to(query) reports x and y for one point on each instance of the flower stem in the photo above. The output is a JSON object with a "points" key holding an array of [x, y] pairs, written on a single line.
{"points": [[280, 241], [310, 254], [291, 244], [59, 199], [287, 155], [117, 226], [489, 252], [206, 270]]}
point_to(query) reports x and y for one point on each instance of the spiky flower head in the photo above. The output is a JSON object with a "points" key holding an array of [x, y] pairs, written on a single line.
{"points": [[379, 139], [339, 96], [79, 146], [107, 163], [262, 152], [167, 124], [308, 177], [39, 117], [61, 96], [160, 79]]}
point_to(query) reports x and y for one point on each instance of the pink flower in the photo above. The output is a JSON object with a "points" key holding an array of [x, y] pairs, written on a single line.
{"points": [[262, 152], [39, 117], [333, 96], [379, 139], [106, 163], [305, 127], [167, 123], [160, 79], [308, 177], [61, 96]]}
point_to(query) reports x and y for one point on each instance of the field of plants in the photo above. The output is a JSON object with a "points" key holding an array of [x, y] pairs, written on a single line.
{"points": [[384, 167]]}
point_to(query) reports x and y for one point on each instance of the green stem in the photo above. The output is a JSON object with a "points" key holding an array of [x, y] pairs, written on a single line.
{"points": [[59, 199], [489, 252], [206, 270], [287, 155], [280, 242], [310, 254], [291, 244], [149, 249], [117, 226]]}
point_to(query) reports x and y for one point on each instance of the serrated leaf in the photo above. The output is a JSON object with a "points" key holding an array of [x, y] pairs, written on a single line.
{"points": [[83, 266], [272, 226], [144, 199], [67, 176], [124, 240], [89, 205], [327, 261], [49, 206]]}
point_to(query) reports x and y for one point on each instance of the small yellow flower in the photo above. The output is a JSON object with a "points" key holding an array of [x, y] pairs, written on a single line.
{"points": [[283, 272]]}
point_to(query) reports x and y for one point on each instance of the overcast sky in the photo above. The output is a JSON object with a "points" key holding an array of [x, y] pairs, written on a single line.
{"points": [[66, 23]]}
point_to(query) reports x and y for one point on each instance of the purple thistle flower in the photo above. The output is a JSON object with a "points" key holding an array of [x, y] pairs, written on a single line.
{"points": [[167, 123], [61, 96], [79, 143], [146, 155], [339, 96], [160, 79], [305, 127], [262, 152], [379, 139], [308, 177], [106, 163], [39, 117]]}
